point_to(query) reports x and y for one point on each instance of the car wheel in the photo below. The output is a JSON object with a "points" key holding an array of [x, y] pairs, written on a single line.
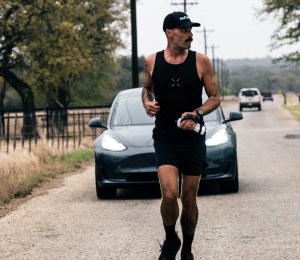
{"points": [[104, 193], [259, 107], [233, 186], [241, 108]]}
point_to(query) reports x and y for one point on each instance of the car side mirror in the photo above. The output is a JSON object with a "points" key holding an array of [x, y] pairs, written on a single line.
{"points": [[97, 123], [234, 116]]}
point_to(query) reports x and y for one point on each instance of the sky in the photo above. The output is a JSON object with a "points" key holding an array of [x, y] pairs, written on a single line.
{"points": [[232, 27]]}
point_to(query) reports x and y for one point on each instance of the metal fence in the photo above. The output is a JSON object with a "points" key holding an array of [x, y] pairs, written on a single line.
{"points": [[61, 129]]}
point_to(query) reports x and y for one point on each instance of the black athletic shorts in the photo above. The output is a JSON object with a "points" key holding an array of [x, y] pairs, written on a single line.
{"points": [[188, 157]]}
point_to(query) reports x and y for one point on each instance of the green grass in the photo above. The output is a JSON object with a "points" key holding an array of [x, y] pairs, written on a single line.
{"points": [[27, 184], [76, 158]]}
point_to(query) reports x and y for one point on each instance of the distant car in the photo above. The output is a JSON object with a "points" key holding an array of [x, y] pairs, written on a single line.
{"points": [[125, 157], [250, 98], [267, 96]]}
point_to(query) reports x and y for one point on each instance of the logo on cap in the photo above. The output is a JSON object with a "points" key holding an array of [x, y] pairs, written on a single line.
{"points": [[184, 17]]}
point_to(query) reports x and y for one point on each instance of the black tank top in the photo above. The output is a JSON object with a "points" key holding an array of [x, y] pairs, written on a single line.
{"points": [[177, 89]]}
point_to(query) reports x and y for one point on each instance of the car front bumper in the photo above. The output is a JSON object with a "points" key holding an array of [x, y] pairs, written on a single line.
{"points": [[250, 104], [127, 170], [222, 164]]}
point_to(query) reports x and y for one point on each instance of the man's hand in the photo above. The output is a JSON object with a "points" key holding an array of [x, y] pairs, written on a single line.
{"points": [[151, 108], [188, 124]]}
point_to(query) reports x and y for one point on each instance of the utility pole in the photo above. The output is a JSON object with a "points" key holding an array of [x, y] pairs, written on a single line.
{"points": [[222, 76], [184, 3], [218, 73], [213, 57], [227, 79], [134, 51], [205, 38]]}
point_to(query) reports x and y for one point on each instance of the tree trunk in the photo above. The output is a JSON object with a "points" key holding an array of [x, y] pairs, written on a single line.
{"points": [[26, 94], [2, 96]]}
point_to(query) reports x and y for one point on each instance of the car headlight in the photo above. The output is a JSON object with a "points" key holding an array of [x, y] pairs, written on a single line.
{"points": [[109, 143], [220, 137]]}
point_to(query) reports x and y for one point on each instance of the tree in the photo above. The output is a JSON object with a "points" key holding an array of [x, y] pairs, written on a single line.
{"points": [[46, 45], [124, 79], [2, 95], [79, 37], [96, 87], [11, 31], [290, 82], [288, 31], [264, 74]]}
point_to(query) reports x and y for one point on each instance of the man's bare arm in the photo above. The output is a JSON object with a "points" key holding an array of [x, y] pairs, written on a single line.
{"points": [[147, 92], [210, 85], [150, 105]]}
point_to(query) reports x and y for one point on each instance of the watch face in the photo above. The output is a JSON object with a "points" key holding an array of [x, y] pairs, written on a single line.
{"points": [[200, 112]]}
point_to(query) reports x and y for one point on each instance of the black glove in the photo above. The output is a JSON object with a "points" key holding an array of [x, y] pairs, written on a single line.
{"points": [[196, 119]]}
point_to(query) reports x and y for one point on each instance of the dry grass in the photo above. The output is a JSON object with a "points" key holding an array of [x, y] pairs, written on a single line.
{"points": [[13, 168], [293, 105], [228, 100], [21, 171]]}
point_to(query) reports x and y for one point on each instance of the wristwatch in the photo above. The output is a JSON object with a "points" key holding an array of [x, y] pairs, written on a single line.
{"points": [[199, 112]]}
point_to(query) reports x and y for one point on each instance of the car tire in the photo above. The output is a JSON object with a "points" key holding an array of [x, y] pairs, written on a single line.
{"points": [[104, 193], [233, 186], [241, 108], [259, 107]]}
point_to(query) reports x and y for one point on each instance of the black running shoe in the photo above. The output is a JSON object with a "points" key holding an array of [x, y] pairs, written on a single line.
{"points": [[187, 257], [169, 249]]}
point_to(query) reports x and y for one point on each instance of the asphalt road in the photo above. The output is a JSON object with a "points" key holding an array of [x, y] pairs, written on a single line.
{"points": [[262, 221]]}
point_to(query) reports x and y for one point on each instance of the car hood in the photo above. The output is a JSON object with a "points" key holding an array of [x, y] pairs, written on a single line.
{"points": [[135, 136], [211, 128], [141, 136]]}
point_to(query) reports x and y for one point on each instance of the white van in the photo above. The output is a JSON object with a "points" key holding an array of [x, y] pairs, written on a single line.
{"points": [[249, 98]]}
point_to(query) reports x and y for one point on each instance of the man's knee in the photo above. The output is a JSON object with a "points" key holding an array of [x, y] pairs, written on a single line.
{"points": [[169, 197]]}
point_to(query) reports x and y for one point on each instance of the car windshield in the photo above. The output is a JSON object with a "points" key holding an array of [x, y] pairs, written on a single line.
{"points": [[129, 111], [249, 93]]}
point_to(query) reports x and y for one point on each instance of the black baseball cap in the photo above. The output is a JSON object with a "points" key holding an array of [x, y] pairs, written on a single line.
{"points": [[178, 20]]}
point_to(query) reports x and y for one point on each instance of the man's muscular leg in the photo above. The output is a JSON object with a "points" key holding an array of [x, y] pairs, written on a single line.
{"points": [[189, 215], [168, 176]]}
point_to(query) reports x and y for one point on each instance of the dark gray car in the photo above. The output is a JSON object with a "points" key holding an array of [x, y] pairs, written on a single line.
{"points": [[125, 157]]}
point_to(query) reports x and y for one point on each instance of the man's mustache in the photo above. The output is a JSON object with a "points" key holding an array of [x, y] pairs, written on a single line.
{"points": [[189, 39]]}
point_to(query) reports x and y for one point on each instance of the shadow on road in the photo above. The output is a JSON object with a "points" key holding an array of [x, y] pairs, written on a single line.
{"points": [[139, 193], [206, 189]]}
